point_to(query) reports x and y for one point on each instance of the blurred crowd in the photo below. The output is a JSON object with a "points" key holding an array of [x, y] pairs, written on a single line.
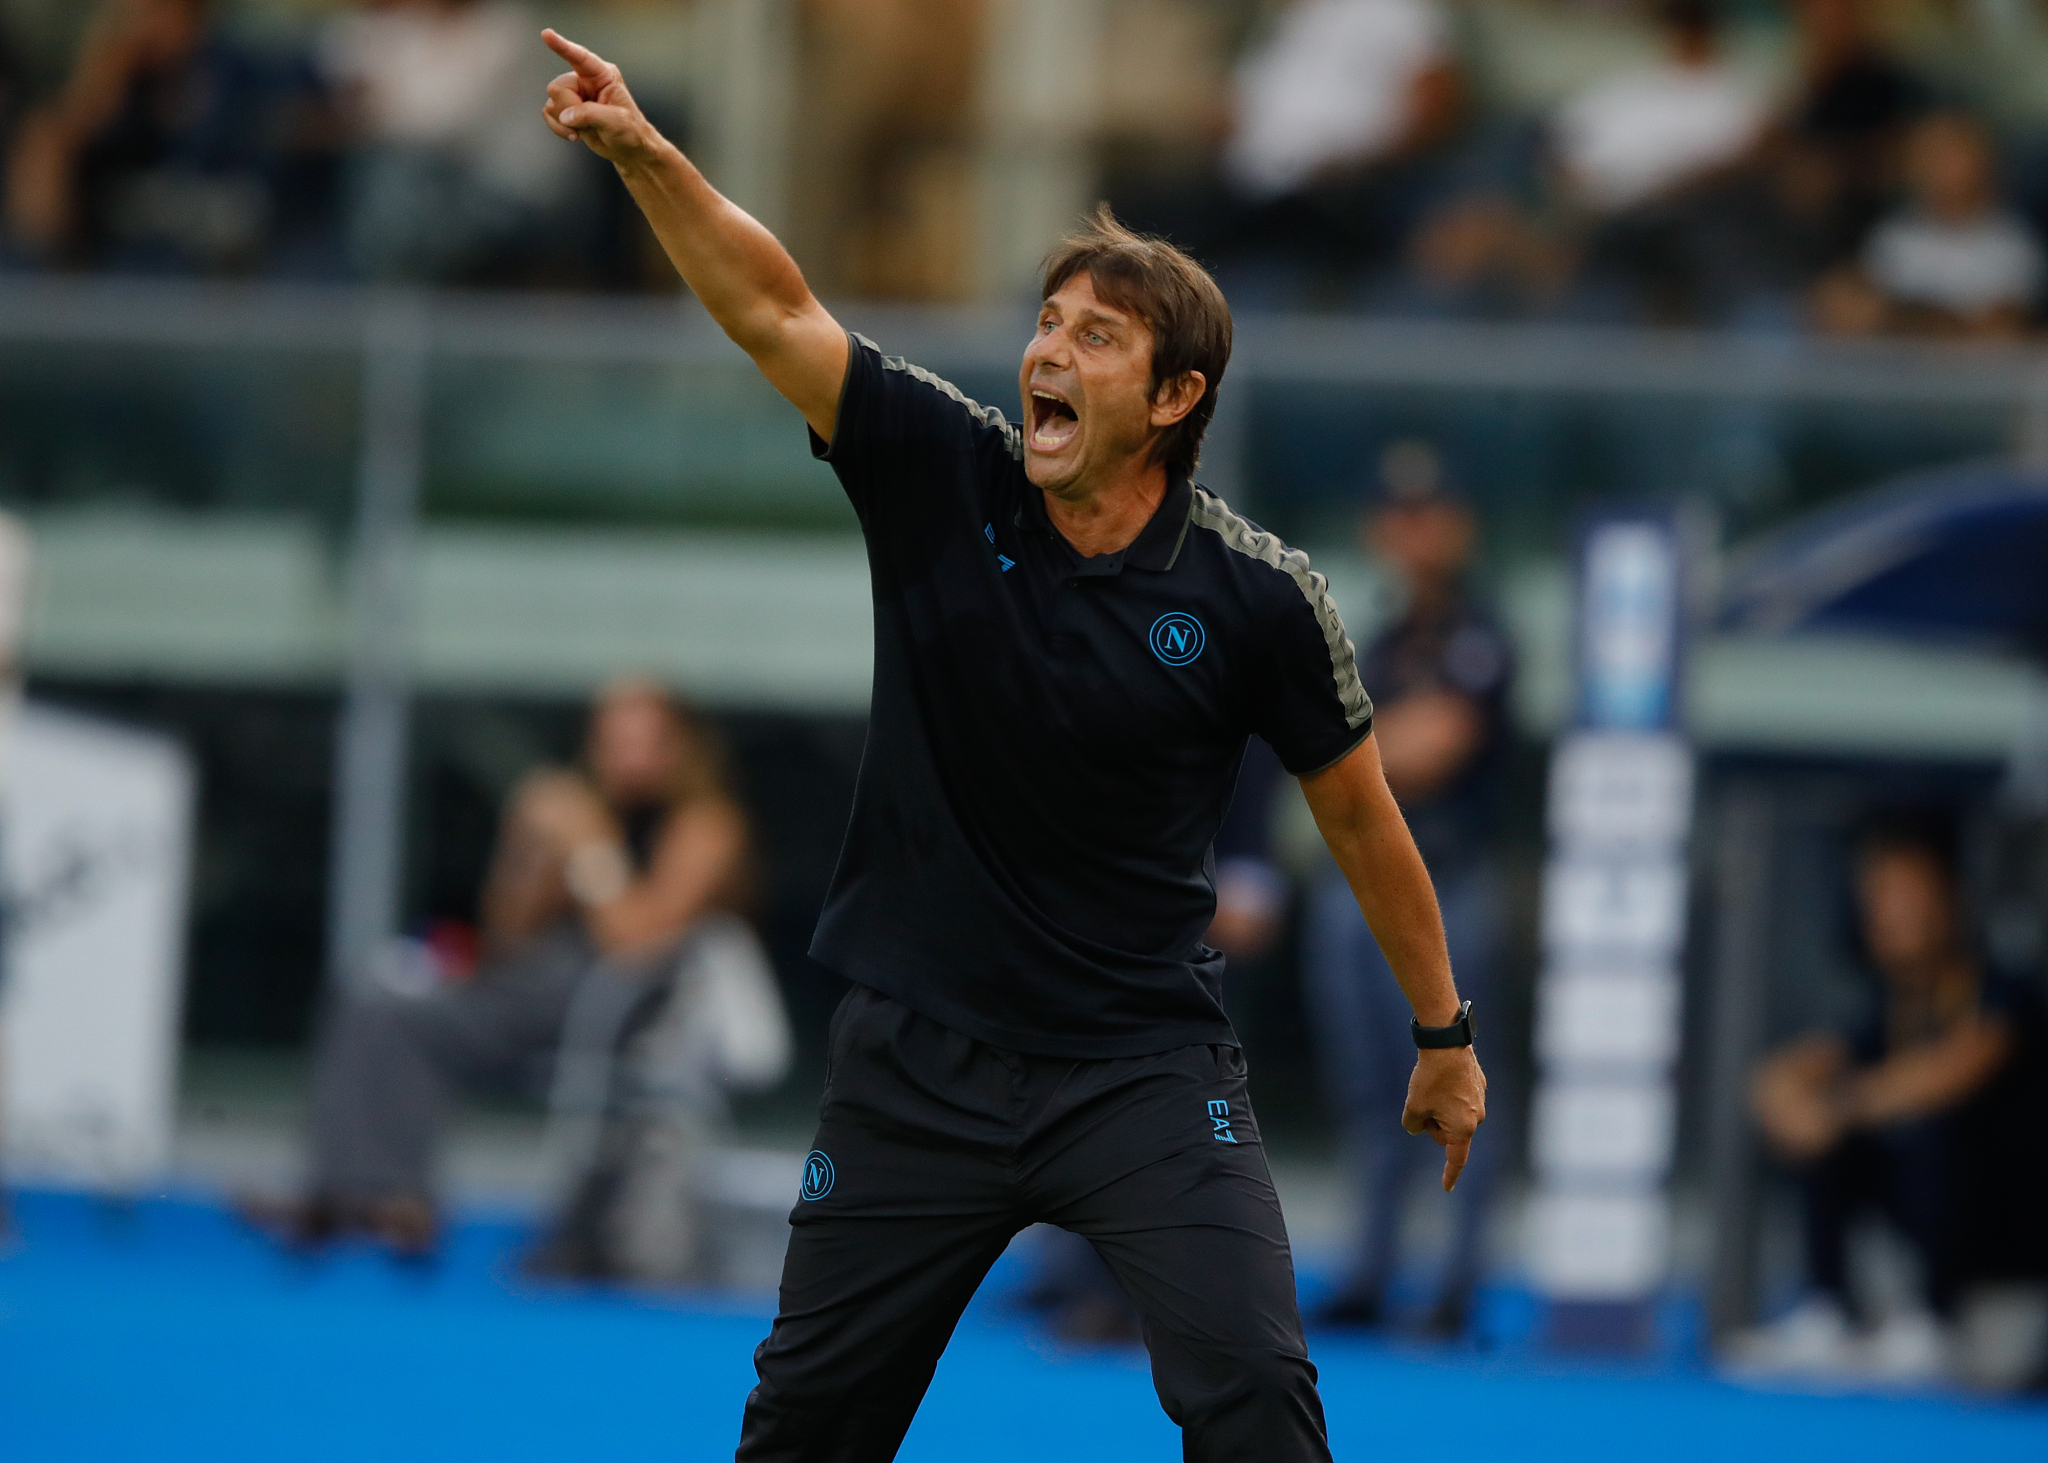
{"points": [[1852, 166], [390, 140], [1359, 167]]}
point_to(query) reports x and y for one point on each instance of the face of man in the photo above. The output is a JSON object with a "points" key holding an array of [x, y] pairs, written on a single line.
{"points": [[1086, 382], [1909, 916], [1429, 543]]}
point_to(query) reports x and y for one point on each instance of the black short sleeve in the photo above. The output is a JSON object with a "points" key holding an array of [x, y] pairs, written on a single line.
{"points": [[903, 432], [1314, 710]]}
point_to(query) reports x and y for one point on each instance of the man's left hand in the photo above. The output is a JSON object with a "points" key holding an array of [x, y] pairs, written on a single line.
{"points": [[1447, 1100]]}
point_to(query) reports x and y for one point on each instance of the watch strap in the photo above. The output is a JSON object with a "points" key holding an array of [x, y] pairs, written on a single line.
{"points": [[1460, 1032]]}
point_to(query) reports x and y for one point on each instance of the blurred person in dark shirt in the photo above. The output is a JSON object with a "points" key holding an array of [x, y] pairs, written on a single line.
{"points": [[1754, 247], [1439, 677], [173, 148], [1926, 1111], [1955, 261], [1854, 103], [599, 873]]}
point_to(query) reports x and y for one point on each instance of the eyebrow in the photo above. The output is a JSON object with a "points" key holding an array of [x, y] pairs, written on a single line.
{"points": [[1092, 316]]}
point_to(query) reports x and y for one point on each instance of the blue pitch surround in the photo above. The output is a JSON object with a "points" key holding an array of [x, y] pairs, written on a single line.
{"points": [[165, 1332]]}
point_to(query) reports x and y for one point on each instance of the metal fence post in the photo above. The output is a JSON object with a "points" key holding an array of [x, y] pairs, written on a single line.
{"points": [[370, 751], [1743, 882]]}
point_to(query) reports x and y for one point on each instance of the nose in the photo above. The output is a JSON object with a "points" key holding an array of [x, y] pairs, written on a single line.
{"points": [[1047, 346]]}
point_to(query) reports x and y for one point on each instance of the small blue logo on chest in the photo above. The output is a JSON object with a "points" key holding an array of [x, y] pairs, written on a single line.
{"points": [[1177, 638], [818, 1175], [1005, 560]]}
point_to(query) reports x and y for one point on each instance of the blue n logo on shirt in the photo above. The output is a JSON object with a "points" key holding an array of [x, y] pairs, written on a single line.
{"points": [[1177, 638]]}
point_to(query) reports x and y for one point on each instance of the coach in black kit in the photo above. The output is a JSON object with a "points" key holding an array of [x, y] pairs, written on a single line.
{"points": [[1073, 642]]}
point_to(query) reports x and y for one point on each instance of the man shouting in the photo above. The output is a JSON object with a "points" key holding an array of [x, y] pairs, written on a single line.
{"points": [[1073, 641]]}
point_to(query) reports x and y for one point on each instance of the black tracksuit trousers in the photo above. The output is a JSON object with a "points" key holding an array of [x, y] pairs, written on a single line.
{"points": [[933, 1150]]}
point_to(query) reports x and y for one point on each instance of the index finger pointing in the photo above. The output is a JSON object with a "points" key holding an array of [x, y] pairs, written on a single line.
{"points": [[582, 59]]}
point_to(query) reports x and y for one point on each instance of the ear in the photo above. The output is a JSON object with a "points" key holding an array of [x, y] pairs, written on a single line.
{"points": [[1176, 398]]}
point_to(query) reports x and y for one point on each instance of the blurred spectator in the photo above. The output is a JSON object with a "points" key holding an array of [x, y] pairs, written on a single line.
{"points": [[599, 875], [1927, 1113], [1853, 105], [1251, 892], [1754, 247], [1439, 678], [1476, 257], [889, 109], [172, 147], [1334, 115], [1338, 86], [1634, 149], [1955, 261], [1640, 134], [448, 179]]}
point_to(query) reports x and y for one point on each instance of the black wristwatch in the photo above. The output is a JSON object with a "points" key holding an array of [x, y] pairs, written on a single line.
{"points": [[1459, 1033]]}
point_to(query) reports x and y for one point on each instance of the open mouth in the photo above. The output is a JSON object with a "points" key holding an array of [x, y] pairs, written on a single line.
{"points": [[1053, 421]]}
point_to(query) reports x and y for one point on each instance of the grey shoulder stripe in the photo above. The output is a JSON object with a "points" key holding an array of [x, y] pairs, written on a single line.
{"points": [[988, 416], [1212, 513]]}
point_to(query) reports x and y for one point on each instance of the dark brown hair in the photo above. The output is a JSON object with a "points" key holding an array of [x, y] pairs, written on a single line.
{"points": [[1172, 294]]}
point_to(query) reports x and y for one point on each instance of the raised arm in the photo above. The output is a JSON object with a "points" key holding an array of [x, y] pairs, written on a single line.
{"points": [[736, 268], [1367, 836]]}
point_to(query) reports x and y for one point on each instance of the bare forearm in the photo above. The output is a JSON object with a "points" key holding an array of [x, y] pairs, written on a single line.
{"points": [[738, 270], [745, 279], [1363, 828], [1371, 844], [1915, 1083], [1394, 893]]}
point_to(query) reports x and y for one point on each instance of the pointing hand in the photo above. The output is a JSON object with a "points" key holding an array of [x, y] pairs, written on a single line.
{"points": [[589, 103]]}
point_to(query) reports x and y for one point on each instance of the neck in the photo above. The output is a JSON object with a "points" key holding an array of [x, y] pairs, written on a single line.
{"points": [[1103, 518]]}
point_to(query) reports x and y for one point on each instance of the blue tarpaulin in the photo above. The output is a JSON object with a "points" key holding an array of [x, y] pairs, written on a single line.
{"points": [[1962, 551]]}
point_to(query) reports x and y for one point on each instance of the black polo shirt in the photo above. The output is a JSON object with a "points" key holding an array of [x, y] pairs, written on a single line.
{"points": [[1053, 739]]}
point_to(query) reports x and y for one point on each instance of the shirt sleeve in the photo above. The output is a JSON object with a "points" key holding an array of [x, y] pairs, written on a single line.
{"points": [[1313, 709], [902, 431]]}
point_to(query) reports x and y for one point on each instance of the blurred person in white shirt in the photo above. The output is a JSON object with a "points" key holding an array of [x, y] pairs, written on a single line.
{"points": [[447, 179], [1338, 86], [1335, 117], [1954, 261], [1636, 155], [1643, 132]]}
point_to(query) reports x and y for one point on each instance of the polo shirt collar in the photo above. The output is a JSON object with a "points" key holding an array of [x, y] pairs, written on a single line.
{"points": [[1155, 548]]}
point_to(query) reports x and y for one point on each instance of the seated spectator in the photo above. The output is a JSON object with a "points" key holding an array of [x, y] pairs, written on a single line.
{"points": [[1476, 257], [1756, 245], [448, 180], [1338, 86], [1854, 103], [1955, 261], [1641, 134], [171, 148], [1629, 150], [1912, 1114], [1331, 115], [599, 875]]}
